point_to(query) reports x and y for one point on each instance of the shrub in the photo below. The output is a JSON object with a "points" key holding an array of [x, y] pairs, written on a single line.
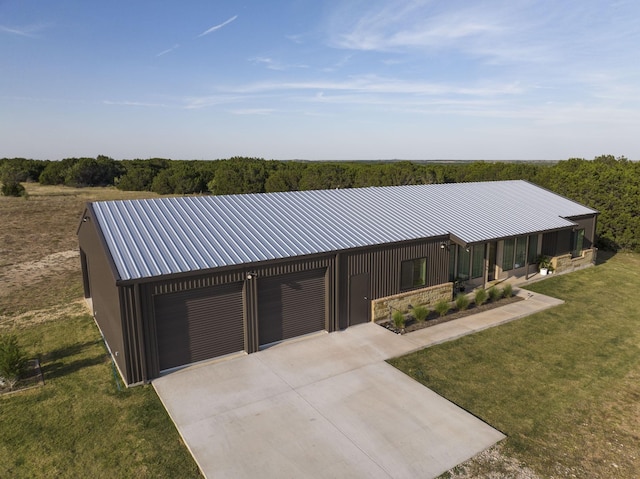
{"points": [[13, 362], [12, 188], [420, 313], [462, 302], [442, 307], [398, 319], [480, 297], [494, 293], [507, 291]]}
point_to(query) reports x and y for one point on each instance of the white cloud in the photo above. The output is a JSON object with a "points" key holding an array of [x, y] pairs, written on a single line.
{"points": [[218, 27], [168, 50], [25, 31]]}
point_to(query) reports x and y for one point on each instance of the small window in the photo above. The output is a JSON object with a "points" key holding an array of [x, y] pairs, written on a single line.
{"points": [[413, 273], [507, 254]]}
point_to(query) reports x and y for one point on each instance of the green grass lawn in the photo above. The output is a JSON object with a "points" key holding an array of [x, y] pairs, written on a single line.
{"points": [[563, 384], [79, 424]]}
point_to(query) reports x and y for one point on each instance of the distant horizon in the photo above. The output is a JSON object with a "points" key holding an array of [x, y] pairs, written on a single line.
{"points": [[303, 160]]}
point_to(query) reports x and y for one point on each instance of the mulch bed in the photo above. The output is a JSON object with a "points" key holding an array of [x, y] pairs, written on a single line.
{"points": [[434, 318], [32, 378]]}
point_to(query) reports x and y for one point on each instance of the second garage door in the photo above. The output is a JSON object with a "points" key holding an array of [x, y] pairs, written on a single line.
{"points": [[199, 324], [291, 305]]}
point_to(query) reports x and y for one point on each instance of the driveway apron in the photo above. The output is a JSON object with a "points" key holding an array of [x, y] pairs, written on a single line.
{"points": [[321, 406]]}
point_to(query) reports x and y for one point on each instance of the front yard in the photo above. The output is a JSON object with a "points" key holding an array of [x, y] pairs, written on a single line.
{"points": [[562, 384]]}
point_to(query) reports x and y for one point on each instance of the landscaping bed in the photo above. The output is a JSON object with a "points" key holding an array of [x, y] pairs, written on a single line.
{"points": [[433, 318]]}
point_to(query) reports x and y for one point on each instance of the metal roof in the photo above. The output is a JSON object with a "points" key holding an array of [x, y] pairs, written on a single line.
{"points": [[155, 237]]}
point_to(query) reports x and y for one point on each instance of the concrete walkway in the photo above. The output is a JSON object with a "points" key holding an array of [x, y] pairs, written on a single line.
{"points": [[329, 406]]}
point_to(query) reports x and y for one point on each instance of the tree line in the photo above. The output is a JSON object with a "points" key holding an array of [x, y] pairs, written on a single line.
{"points": [[606, 183]]}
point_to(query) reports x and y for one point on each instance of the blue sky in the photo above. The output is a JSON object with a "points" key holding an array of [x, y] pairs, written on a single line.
{"points": [[313, 79]]}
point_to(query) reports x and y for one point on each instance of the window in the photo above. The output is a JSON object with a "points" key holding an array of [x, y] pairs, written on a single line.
{"points": [[452, 264], [577, 241], [477, 266], [464, 257], [533, 249], [507, 254], [413, 273], [521, 251]]}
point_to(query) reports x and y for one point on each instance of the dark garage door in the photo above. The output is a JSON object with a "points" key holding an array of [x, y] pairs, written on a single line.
{"points": [[199, 324], [291, 305]]}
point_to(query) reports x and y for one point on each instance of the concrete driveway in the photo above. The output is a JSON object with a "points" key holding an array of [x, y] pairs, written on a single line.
{"points": [[321, 406]]}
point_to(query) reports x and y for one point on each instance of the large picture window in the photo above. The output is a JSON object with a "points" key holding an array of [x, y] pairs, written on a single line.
{"points": [[577, 241], [521, 251], [507, 254], [533, 249], [477, 261], [413, 273], [464, 258]]}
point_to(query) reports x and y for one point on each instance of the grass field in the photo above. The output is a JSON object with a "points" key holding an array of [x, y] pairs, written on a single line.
{"points": [[80, 424], [563, 385]]}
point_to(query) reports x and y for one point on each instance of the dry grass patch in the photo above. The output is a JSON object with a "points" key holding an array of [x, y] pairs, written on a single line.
{"points": [[79, 424]]}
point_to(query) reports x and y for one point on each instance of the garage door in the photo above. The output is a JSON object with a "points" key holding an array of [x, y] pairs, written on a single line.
{"points": [[291, 305], [199, 324]]}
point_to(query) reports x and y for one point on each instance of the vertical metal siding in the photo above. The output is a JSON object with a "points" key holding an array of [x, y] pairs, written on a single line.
{"points": [[105, 295], [383, 263]]}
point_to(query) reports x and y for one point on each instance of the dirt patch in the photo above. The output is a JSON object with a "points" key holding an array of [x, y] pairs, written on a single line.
{"points": [[39, 316], [22, 274], [491, 464]]}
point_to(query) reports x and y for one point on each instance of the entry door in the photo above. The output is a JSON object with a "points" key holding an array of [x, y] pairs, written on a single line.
{"points": [[492, 261], [359, 300]]}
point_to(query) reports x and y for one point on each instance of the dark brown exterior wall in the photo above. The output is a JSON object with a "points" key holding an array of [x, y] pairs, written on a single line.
{"points": [[558, 243], [383, 265], [381, 262], [588, 223], [104, 293], [140, 315]]}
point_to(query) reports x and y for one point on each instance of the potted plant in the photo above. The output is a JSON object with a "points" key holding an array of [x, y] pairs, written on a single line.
{"points": [[544, 265], [458, 285]]}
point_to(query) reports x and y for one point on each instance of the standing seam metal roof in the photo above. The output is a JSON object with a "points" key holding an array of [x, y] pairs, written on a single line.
{"points": [[155, 237]]}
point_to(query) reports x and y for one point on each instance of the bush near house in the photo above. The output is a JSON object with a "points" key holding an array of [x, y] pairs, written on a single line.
{"points": [[462, 302], [398, 319], [494, 293], [507, 291], [480, 297], [420, 313], [442, 307]]}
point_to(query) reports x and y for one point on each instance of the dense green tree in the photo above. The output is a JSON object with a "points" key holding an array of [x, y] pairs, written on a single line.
{"points": [[180, 178], [10, 177], [138, 175], [326, 176], [240, 175], [100, 171]]}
